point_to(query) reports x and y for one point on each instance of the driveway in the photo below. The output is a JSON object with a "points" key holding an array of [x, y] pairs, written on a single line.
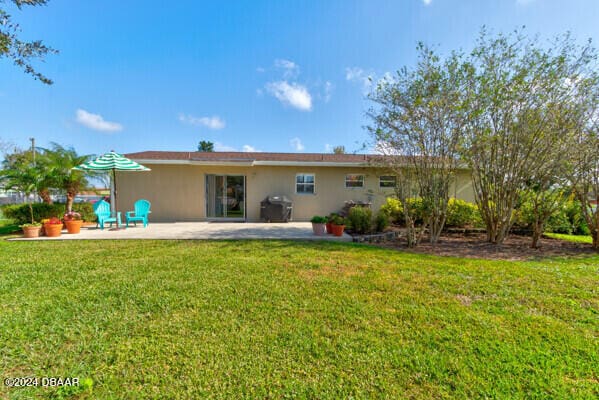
{"points": [[204, 230]]}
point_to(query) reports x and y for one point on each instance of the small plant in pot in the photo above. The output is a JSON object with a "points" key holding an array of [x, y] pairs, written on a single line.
{"points": [[329, 224], [31, 230], [73, 222], [319, 225], [53, 227], [338, 225]]}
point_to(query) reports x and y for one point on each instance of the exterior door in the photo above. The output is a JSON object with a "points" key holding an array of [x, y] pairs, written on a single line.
{"points": [[225, 197]]}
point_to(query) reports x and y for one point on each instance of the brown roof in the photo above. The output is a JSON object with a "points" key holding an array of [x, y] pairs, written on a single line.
{"points": [[243, 156]]}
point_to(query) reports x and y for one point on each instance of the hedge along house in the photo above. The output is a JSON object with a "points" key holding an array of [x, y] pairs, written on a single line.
{"points": [[200, 186]]}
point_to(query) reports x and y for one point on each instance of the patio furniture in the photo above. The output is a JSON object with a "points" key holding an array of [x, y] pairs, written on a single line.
{"points": [[142, 209], [112, 162], [102, 211]]}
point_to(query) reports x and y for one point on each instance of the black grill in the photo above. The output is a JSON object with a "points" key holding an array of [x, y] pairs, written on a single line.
{"points": [[276, 209]]}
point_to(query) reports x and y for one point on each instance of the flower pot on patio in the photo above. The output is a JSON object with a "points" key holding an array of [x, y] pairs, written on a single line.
{"points": [[73, 226], [31, 231], [318, 225], [329, 227], [338, 229], [53, 227]]}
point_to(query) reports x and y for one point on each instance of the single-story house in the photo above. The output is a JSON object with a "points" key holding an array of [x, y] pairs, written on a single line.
{"points": [[199, 186]]}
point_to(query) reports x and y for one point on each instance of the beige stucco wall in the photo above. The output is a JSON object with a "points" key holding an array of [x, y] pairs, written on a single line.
{"points": [[177, 192]]}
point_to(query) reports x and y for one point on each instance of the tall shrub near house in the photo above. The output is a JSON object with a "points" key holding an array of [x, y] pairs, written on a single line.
{"points": [[417, 123], [518, 100]]}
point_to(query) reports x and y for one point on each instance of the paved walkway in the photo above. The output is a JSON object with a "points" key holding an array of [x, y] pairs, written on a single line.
{"points": [[204, 230]]}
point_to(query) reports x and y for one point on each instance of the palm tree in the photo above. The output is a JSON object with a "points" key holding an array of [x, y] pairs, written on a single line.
{"points": [[25, 180], [60, 161]]}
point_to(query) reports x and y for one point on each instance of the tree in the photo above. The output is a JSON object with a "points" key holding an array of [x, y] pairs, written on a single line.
{"points": [[584, 156], [511, 137], [23, 180], [22, 52], [22, 160], [60, 174], [417, 125], [206, 146], [339, 150]]}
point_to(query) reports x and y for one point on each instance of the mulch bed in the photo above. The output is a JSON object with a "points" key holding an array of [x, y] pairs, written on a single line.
{"points": [[515, 247]]}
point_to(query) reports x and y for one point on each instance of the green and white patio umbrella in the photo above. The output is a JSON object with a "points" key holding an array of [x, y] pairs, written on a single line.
{"points": [[112, 161]]}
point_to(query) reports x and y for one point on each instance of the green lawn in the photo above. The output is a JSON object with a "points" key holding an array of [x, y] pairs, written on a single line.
{"points": [[571, 238], [273, 319]]}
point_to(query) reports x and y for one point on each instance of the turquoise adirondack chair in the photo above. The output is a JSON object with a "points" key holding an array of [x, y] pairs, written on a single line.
{"points": [[142, 209], [102, 211]]}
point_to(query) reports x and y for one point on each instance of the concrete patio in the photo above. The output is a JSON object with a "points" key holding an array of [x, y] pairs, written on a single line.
{"points": [[203, 230]]}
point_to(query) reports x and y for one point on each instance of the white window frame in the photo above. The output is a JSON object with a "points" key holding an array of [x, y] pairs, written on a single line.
{"points": [[387, 187], [355, 187], [313, 183]]}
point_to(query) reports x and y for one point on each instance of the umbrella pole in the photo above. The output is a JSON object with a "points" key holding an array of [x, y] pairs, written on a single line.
{"points": [[116, 212]]}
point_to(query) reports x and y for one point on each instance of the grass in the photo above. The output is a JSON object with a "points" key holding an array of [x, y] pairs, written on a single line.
{"points": [[571, 238], [273, 319]]}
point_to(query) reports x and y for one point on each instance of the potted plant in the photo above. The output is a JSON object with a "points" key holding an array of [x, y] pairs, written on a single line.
{"points": [[53, 227], [318, 225], [338, 225], [73, 222], [31, 230], [329, 223]]}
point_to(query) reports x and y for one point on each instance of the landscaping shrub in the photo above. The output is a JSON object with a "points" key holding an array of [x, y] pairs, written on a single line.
{"points": [[360, 219], [568, 219], [20, 212], [393, 209], [381, 222], [461, 213], [573, 212]]}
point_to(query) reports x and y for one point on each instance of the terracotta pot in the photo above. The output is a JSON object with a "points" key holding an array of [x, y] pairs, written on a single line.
{"points": [[338, 229], [53, 230], [73, 226], [329, 226], [31, 231], [318, 229]]}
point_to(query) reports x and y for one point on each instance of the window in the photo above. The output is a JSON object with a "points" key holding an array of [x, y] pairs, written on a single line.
{"points": [[387, 181], [354, 181], [304, 183]]}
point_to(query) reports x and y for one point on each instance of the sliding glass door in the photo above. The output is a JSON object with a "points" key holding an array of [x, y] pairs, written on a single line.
{"points": [[225, 196]]}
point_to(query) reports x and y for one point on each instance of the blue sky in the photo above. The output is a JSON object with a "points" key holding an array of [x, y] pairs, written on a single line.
{"points": [[255, 75]]}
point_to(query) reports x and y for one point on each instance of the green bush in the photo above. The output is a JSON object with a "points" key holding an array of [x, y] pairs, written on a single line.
{"points": [[573, 212], [381, 222], [360, 219], [393, 210], [21, 215], [317, 219], [568, 219], [461, 213]]}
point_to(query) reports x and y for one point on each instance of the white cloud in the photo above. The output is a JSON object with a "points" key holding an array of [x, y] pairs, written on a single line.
{"points": [[248, 149], [97, 122], [427, 2], [328, 148], [290, 69], [358, 75], [296, 143], [292, 94], [218, 146], [213, 122]]}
